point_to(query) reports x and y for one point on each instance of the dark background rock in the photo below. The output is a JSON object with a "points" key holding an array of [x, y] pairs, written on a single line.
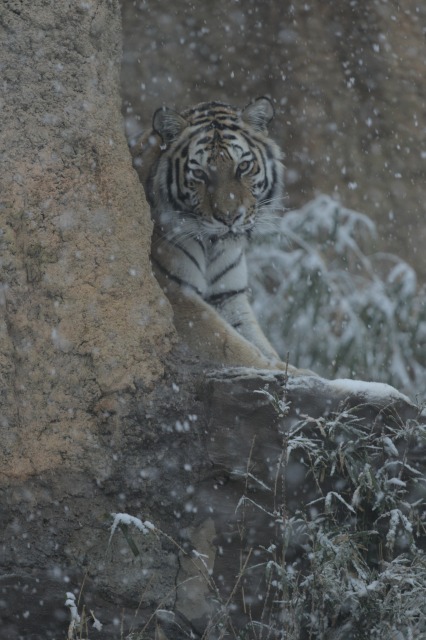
{"points": [[347, 81]]}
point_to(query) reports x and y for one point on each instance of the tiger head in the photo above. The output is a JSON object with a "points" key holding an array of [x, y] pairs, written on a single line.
{"points": [[218, 172]]}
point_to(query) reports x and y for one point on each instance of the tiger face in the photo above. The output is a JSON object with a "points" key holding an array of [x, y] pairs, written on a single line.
{"points": [[218, 171], [219, 188]]}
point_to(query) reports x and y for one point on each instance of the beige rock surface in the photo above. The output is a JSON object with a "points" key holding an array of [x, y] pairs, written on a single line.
{"points": [[82, 319]]}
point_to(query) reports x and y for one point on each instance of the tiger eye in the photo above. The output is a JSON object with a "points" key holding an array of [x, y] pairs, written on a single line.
{"points": [[244, 166], [199, 174]]}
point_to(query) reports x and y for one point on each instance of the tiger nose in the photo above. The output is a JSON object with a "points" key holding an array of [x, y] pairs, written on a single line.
{"points": [[233, 213], [239, 214], [232, 216], [228, 215]]}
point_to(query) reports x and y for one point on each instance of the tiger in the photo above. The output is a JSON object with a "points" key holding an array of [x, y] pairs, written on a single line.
{"points": [[211, 174]]}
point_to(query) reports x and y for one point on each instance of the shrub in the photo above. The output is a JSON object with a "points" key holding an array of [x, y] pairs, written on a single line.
{"points": [[336, 309], [350, 563]]}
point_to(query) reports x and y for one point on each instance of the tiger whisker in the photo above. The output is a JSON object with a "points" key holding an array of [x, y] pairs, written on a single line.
{"points": [[268, 216], [279, 198], [269, 202]]}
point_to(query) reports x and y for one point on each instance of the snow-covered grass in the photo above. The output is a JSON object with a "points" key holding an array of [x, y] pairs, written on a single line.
{"points": [[346, 557], [349, 561], [335, 307], [124, 520], [79, 624]]}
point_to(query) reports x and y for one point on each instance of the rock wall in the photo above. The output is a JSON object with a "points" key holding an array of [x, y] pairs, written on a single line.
{"points": [[84, 327], [82, 318]]}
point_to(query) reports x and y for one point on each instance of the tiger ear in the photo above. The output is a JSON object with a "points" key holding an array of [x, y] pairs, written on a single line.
{"points": [[259, 113], [168, 124]]}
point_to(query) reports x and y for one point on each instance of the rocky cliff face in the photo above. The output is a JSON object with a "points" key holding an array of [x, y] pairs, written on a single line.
{"points": [[82, 318], [83, 324]]}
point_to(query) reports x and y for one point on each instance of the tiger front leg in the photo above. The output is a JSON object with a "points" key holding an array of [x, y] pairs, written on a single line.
{"points": [[212, 337], [237, 312]]}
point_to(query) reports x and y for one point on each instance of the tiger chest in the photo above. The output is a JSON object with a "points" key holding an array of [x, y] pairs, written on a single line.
{"points": [[213, 270]]}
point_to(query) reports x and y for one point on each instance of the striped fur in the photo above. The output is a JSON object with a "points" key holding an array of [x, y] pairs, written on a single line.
{"points": [[211, 174]]}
